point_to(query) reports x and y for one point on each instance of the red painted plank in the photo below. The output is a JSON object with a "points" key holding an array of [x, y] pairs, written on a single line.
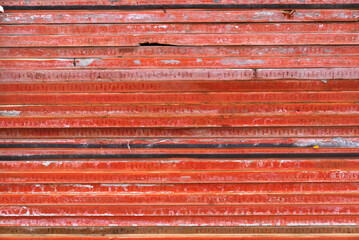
{"points": [[179, 199], [182, 221], [179, 74], [170, 51], [148, 74], [182, 86], [150, 210], [179, 177], [175, 62], [176, 28], [176, 16], [166, 2], [182, 39], [179, 142], [108, 165], [181, 236], [179, 121], [242, 132], [331, 73], [179, 109], [183, 98], [237, 62], [189, 188], [174, 231]]}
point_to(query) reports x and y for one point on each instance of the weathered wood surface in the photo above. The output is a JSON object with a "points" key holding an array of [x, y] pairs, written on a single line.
{"points": [[179, 123], [167, 2]]}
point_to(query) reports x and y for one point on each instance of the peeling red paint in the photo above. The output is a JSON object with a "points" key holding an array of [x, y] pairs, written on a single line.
{"points": [[179, 123]]}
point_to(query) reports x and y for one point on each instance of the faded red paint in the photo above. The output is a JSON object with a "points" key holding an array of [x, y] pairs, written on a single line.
{"points": [[169, 2], [177, 16], [248, 124], [181, 39]]}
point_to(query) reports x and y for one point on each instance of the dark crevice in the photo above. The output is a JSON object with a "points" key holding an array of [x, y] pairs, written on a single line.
{"points": [[154, 145], [154, 44], [187, 6], [255, 72], [169, 156]]}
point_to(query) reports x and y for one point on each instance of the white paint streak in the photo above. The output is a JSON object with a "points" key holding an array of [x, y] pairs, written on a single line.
{"points": [[82, 186], [84, 62], [46, 163], [11, 113], [240, 62], [171, 61]]}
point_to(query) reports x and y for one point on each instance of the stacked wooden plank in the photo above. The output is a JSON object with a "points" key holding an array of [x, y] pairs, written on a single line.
{"points": [[171, 120]]}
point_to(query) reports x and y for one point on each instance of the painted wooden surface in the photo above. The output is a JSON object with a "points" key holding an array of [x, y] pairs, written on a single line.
{"points": [[168, 2], [173, 123]]}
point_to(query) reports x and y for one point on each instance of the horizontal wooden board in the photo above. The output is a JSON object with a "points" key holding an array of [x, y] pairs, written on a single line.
{"points": [[268, 231], [181, 39], [168, 188], [242, 132], [176, 121], [184, 98], [182, 221], [179, 109], [181, 86], [176, 16], [176, 51], [178, 199], [238, 231], [49, 154], [170, 51], [130, 210], [158, 165], [219, 188], [179, 74], [178, 236], [175, 62], [179, 177], [182, 143], [176, 28], [167, 123], [166, 2]]}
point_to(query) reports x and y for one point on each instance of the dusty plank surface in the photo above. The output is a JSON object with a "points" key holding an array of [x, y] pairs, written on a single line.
{"points": [[179, 123], [177, 16], [167, 2], [177, 51]]}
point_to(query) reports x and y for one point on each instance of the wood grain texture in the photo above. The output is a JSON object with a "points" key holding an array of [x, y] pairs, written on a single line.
{"points": [[166, 2], [179, 123]]}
